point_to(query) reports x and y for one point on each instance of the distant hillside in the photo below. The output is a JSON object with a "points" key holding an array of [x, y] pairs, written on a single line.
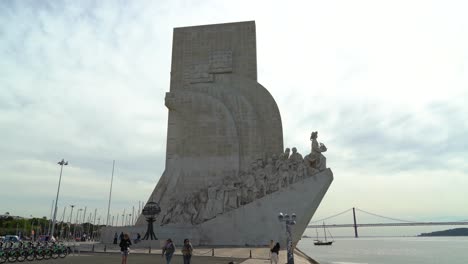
{"points": [[450, 232]]}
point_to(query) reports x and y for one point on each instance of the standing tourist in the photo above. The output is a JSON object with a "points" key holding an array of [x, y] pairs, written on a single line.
{"points": [[125, 244], [168, 250], [187, 251], [274, 253]]}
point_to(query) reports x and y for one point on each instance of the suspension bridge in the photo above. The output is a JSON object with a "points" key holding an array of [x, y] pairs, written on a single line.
{"points": [[400, 222]]}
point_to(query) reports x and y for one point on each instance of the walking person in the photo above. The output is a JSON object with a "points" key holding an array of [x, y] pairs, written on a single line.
{"points": [[168, 250], [125, 244], [187, 251], [274, 253], [272, 244]]}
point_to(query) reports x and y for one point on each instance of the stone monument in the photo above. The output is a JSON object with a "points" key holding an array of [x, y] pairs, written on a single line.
{"points": [[226, 176]]}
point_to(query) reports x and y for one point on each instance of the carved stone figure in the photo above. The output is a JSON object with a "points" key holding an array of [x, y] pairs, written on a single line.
{"points": [[283, 168], [260, 179], [285, 155], [177, 214], [189, 212], [203, 213], [243, 188], [315, 159], [295, 158], [230, 195], [271, 176], [294, 162], [250, 183], [301, 171], [210, 204], [168, 216], [219, 206]]}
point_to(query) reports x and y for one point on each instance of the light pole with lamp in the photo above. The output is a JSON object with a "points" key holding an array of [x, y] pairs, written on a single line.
{"points": [[61, 163], [71, 217], [76, 223], [98, 234], [290, 221]]}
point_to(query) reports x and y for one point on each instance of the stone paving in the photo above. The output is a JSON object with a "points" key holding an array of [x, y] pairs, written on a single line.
{"points": [[140, 254], [203, 255], [108, 258]]}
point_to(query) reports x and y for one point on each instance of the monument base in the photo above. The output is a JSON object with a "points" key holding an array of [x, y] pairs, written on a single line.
{"points": [[253, 224]]}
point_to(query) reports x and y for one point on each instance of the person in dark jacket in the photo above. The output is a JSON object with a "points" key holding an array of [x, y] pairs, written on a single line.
{"points": [[125, 244], [187, 250], [274, 253], [168, 250]]}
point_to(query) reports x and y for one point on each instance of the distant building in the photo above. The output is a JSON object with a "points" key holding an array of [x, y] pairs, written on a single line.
{"points": [[7, 215]]}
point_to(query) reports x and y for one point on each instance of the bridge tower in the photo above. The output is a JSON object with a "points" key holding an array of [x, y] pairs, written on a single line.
{"points": [[355, 224]]}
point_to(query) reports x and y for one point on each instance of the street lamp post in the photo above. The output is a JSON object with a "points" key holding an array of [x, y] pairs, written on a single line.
{"points": [[76, 223], [71, 217], [98, 235], [290, 221], [61, 163]]}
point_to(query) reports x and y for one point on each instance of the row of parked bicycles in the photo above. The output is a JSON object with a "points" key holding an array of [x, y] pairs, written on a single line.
{"points": [[21, 251]]}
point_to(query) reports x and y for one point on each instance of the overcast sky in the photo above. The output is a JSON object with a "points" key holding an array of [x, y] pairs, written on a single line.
{"points": [[384, 83]]}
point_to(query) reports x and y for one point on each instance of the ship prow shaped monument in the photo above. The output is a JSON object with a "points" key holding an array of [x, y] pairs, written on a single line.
{"points": [[227, 176]]}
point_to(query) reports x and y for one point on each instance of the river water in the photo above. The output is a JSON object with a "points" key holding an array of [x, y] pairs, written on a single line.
{"points": [[389, 250]]}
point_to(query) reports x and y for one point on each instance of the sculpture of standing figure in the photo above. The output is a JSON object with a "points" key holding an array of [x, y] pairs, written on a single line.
{"points": [[295, 160], [260, 179], [283, 168], [272, 176], [230, 195], [315, 159], [285, 155]]}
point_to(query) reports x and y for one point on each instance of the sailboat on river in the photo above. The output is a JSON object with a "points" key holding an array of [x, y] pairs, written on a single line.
{"points": [[324, 242]]}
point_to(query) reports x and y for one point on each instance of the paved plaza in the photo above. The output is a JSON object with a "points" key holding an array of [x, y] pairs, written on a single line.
{"points": [[203, 255], [107, 258]]}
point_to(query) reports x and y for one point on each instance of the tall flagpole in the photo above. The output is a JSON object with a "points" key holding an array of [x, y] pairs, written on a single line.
{"points": [[110, 193]]}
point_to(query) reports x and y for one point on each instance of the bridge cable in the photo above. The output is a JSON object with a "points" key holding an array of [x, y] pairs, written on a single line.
{"points": [[390, 218], [326, 218]]}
